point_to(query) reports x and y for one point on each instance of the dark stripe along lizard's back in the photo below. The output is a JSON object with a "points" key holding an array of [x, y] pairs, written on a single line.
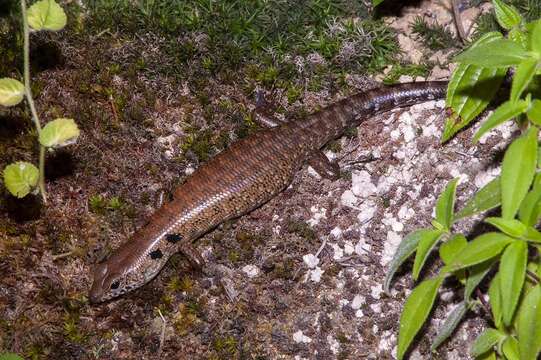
{"points": [[240, 179]]}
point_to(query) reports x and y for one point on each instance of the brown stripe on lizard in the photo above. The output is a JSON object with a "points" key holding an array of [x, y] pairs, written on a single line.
{"points": [[240, 179]]}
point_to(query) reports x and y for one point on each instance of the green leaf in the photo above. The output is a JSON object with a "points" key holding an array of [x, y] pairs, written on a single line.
{"points": [[11, 92], [428, 240], [512, 273], [46, 15], [416, 310], [10, 356], [376, 2], [476, 274], [470, 90], [529, 325], [506, 15], [450, 248], [446, 204], [486, 341], [504, 112], [523, 75], [495, 299], [498, 53], [486, 198], [59, 132], [480, 249], [536, 38], [20, 178], [530, 208], [405, 250], [518, 169], [510, 227], [534, 112], [510, 349], [450, 324]]}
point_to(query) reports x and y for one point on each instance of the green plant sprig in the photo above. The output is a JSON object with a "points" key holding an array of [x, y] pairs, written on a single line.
{"points": [[21, 178], [514, 292]]}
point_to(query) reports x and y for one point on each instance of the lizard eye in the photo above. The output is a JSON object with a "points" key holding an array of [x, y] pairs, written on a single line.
{"points": [[115, 285]]}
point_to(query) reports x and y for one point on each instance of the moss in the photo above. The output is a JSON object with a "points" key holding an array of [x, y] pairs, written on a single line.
{"points": [[180, 284], [97, 204], [115, 203], [184, 320], [302, 229], [293, 93], [226, 346], [284, 269], [72, 330], [199, 144], [233, 256]]}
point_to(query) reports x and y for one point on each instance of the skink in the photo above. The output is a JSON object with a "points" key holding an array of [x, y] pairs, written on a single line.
{"points": [[240, 179]]}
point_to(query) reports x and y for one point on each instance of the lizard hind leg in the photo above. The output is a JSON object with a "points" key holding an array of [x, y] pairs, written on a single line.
{"points": [[324, 167], [263, 113]]}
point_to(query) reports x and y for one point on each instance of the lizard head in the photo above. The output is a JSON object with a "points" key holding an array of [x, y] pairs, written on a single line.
{"points": [[125, 271]]}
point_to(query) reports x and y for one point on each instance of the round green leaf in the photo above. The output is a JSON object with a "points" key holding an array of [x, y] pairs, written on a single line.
{"points": [[46, 15], [10, 356], [59, 132], [20, 178], [11, 92]]}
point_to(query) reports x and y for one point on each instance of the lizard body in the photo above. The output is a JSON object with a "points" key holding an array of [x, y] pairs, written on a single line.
{"points": [[238, 180]]}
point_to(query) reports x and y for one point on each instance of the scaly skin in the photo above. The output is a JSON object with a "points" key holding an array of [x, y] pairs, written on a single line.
{"points": [[238, 180]]}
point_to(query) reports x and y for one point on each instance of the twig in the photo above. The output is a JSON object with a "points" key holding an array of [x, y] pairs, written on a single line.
{"points": [[30, 100], [113, 109], [61, 256], [162, 335], [458, 21], [481, 298], [323, 244]]}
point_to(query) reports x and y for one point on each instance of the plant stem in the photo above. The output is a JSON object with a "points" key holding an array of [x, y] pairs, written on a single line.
{"points": [[30, 100]]}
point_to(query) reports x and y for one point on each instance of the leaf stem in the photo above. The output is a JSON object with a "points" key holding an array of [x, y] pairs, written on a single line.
{"points": [[483, 302], [533, 277], [30, 100]]}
